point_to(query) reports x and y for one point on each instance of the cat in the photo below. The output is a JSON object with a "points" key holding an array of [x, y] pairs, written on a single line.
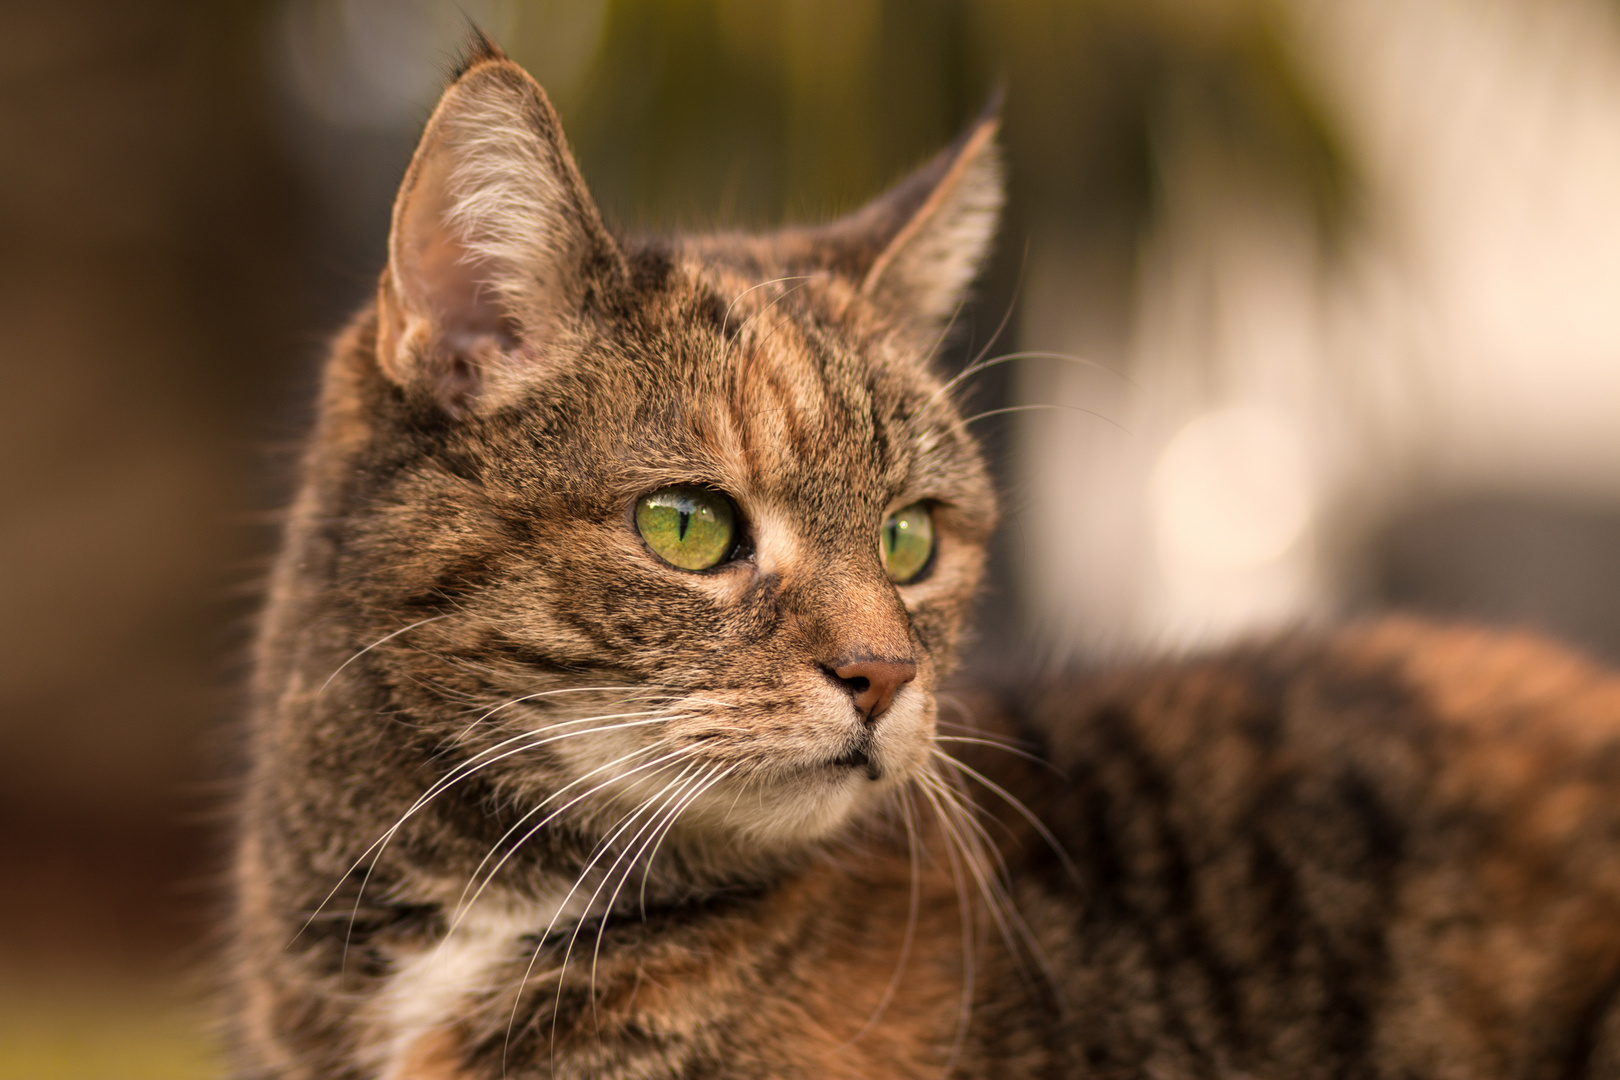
{"points": [[600, 729]]}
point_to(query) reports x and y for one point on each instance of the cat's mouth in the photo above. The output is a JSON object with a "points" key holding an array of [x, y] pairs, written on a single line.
{"points": [[857, 757]]}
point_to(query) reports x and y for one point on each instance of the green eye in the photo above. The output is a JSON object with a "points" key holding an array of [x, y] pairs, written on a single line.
{"points": [[908, 542], [687, 527]]}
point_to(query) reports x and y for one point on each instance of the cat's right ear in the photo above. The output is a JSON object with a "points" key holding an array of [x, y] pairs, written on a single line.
{"points": [[915, 249], [496, 245]]}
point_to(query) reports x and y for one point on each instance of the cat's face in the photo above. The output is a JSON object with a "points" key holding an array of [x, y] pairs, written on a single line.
{"points": [[693, 525]]}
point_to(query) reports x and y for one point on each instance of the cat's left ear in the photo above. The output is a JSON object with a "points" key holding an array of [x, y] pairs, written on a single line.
{"points": [[916, 248], [496, 249]]}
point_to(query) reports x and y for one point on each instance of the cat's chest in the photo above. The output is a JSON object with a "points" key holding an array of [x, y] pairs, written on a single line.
{"points": [[435, 987], [759, 987]]}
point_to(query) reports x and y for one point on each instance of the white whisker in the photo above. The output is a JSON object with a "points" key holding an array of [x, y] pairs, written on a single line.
{"points": [[672, 791], [373, 645], [669, 825], [1031, 354], [466, 904], [911, 917], [630, 694], [602, 849], [1025, 812], [446, 782], [966, 914], [999, 745], [455, 776], [1031, 408], [995, 887], [773, 281]]}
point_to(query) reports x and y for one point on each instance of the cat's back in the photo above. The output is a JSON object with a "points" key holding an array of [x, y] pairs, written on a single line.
{"points": [[1419, 717], [1392, 849]]}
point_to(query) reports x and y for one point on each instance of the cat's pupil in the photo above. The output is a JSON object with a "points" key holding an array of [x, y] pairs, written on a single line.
{"points": [[689, 528]]}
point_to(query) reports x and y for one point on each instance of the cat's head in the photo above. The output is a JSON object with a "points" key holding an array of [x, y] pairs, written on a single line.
{"points": [[653, 515]]}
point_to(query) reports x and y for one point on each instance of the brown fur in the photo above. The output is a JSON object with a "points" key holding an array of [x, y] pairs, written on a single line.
{"points": [[1388, 852]]}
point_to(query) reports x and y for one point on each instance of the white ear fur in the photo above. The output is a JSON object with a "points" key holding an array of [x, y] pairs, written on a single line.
{"points": [[493, 239], [929, 262]]}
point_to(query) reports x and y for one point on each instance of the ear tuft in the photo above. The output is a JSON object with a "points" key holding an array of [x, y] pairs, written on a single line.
{"points": [[494, 239], [480, 48], [916, 249]]}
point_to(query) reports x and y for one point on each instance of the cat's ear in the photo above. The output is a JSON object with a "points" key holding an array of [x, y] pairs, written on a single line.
{"points": [[496, 245], [916, 248]]}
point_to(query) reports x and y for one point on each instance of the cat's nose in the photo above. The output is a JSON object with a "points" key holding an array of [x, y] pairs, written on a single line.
{"points": [[873, 683]]}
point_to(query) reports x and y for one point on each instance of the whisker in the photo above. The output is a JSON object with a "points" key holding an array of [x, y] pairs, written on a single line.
{"points": [[464, 904], [968, 820], [1031, 408], [774, 281], [1009, 748], [980, 732], [801, 279], [965, 913], [388, 837], [945, 331], [678, 785], [975, 844], [681, 801], [693, 699], [602, 849], [669, 826], [1034, 354], [987, 738], [996, 887], [631, 693], [455, 776], [531, 741], [373, 645], [549, 818], [889, 991], [674, 806], [1013, 801], [990, 343]]}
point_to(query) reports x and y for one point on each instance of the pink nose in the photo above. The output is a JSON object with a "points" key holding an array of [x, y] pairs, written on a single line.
{"points": [[873, 683]]}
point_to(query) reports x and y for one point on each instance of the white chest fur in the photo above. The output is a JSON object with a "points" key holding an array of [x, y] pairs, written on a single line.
{"points": [[432, 989]]}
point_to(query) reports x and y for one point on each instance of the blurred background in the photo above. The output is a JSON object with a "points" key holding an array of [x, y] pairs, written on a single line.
{"points": [[1302, 309]]}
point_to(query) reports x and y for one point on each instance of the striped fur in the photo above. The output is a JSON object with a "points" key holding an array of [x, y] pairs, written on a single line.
{"points": [[527, 802]]}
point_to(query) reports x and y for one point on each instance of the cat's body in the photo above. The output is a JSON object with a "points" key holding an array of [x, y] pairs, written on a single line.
{"points": [[537, 793]]}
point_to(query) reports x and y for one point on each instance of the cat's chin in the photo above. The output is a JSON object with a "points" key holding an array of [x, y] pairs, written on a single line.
{"points": [[817, 799], [794, 811], [816, 771]]}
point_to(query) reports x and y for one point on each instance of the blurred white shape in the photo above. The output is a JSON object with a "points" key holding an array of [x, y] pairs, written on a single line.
{"points": [[1491, 131], [1464, 338], [1230, 499], [1192, 520], [1231, 489]]}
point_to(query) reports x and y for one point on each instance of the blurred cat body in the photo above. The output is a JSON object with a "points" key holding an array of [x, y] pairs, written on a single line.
{"points": [[528, 800]]}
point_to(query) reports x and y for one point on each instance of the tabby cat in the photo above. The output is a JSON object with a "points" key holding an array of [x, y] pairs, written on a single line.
{"points": [[599, 728]]}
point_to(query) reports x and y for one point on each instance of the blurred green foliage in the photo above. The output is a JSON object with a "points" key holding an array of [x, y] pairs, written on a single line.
{"points": [[744, 112]]}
